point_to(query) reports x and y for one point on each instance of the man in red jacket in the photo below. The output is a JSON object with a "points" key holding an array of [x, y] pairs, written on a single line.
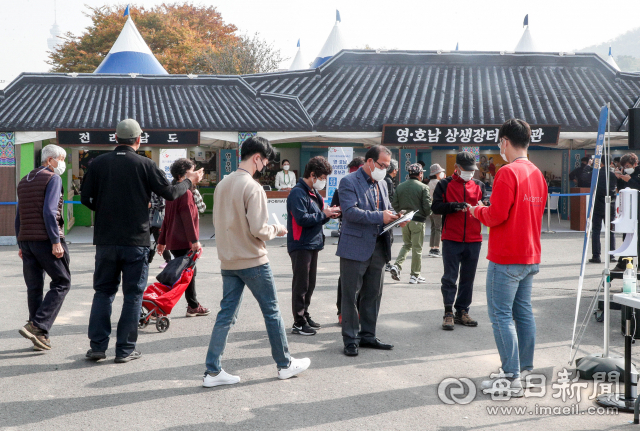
{"points": [[461, 238], [515, 218]]}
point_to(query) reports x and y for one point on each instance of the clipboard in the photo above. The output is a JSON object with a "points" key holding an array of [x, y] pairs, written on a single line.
{"points": [[407, 217]]}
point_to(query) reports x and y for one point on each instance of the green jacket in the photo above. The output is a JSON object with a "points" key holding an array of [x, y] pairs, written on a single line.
{"points": [[412, 195]]}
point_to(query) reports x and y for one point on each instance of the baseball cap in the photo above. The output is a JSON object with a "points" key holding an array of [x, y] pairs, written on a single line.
{"points": [[435, 169], [414, 169], [128, 129], [466, 161]]}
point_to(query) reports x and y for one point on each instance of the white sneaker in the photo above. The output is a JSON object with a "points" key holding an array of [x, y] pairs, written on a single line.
{"points": [[415, 280], [503, 386], [395, 272], [222, 378], [296, 366]]}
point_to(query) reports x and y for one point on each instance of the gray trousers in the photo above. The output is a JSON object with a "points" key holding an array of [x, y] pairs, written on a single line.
{"points": [[436, 230], [363, 280]]}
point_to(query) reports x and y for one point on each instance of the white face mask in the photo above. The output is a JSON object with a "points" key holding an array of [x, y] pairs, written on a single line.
{"points": [[378, 174], [440, 175], [285, 167], [59, 170], [629, 171], [504, 157], [466, 175], [319, 184]]}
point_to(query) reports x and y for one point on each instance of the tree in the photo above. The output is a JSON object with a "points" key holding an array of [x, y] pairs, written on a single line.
{"points": [[177, 34], [627, 63], [242, 56]]}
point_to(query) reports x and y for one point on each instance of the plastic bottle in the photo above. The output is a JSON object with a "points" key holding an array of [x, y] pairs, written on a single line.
{"points": [[629, 280]]}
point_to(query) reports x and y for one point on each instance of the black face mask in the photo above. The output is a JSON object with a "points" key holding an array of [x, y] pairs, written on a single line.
{"points": [[260, 172]]}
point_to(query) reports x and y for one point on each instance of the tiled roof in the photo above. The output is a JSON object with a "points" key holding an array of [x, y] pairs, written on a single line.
{"points": [[355, 91], [362, 90], [51, 101]]}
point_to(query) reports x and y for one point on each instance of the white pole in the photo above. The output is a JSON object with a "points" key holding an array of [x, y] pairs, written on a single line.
{"points": [[607, 234]]}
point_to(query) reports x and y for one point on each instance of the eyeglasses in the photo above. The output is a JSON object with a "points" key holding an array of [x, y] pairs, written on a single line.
{"points": [[501, 142], [385, 167]]}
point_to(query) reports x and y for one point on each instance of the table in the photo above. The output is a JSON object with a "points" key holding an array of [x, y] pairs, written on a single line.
{"points": [[629, 400]]}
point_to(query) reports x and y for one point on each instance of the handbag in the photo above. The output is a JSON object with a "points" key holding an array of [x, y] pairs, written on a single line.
{"points": [[172, 273], [157, 218]]}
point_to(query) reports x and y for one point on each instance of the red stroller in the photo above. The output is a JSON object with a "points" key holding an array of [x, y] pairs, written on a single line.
{"points": [[159, 299]]}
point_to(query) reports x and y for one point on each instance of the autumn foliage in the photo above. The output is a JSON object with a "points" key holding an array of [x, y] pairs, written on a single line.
{"points": [[177, 34]]}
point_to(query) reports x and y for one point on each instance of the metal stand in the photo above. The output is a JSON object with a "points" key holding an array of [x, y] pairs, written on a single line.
{"points": [[589, 365], [624, 402]]}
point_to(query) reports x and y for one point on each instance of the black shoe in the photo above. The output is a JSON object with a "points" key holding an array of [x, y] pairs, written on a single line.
{"points": [[96, 356], [351, 349], [620, 267], [303, 329], [376, 344], [613, 259], [595, 259], [134, 355], [314, 325]]}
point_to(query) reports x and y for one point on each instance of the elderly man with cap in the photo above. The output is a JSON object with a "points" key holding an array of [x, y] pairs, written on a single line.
{"points": [[412, 195], [461, 238], [118, 186], [436, 173]]}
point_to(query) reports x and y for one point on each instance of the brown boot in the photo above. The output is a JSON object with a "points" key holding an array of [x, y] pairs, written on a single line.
{"points": [[447, 323], [463, 318], [36, 335]]}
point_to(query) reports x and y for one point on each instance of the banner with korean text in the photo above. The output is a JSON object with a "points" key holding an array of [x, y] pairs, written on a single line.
{"points": [[167, 157], [339, 158]]}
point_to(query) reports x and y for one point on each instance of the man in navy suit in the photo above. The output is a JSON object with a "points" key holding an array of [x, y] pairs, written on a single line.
{"points": [[364, 249]]}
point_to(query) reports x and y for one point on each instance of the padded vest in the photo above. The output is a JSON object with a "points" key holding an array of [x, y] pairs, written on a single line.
{"points": [[31, 193]]}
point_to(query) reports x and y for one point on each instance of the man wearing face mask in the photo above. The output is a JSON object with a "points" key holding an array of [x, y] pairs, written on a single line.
{"points": [[629, 176], [461, 238], [363, 249], [240, 216], [118, 186], [515, 217], [412, 195], [40, 232], [285, 179], [307, 214], [582, 174]]}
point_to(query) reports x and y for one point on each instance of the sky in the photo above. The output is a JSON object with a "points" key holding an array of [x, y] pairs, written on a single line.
{"points": [[496, 25]]}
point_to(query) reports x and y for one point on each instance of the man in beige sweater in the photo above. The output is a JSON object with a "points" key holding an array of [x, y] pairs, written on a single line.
{"points": [[240, 217]]}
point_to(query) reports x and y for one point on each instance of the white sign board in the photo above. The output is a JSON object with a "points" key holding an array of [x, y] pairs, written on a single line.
{"points": [[339, 158], [277, 207], [167, 157]]}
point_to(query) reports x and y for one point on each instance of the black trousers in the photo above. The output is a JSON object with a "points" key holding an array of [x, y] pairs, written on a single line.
{"points": [[190, 293], [113, 264], [155, 231], [596, 228], [305, 265], [339, 300], [363, 281], [37, 260], [459, 258]]}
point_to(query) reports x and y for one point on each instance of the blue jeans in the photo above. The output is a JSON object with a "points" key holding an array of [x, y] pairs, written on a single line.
{"points": [[114, 262], [509, 300], [260, 282]]}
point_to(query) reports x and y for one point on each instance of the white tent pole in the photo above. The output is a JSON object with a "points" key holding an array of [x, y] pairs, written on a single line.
{"points": [[607, 234]]}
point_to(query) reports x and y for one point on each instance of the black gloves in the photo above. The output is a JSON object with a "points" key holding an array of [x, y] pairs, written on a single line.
{"points": [[458, 206]]}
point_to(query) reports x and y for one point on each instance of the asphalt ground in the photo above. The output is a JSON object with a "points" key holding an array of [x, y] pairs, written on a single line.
{"points": [[378, 390]]}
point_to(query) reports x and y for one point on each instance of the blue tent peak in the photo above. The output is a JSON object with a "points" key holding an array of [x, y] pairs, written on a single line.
{"points": [[131, 54]]}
